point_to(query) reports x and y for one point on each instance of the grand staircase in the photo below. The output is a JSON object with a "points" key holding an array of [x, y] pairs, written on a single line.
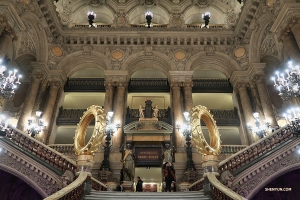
{"points": [[97, 195]]}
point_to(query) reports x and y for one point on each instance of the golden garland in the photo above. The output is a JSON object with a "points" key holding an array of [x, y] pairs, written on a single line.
{"points": [[214, 148], [93, 112]]}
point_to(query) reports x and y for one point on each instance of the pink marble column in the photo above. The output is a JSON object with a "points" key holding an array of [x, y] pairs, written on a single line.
{"points": [[265, 99], [296, 33], [247, 108], [178, 112], [109, 95], [119, 110], [29, 101], [188, 96], [49, 108], [292, 49]]}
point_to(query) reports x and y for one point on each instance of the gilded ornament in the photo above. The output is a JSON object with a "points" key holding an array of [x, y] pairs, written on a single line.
{"points": [[214, 148], [93, 112]]}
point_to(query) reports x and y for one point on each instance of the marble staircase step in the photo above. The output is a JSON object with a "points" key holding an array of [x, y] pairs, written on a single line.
{"points": [[95, 195]]}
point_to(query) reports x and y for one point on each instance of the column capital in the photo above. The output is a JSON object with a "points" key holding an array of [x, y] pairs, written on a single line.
{"points": [[109, 84], [181, 76], [116, 75], [188, 84], [120, 84], [175, 84]]}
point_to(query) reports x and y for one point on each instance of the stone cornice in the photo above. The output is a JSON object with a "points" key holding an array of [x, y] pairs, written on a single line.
{"points": [[287, 18]]}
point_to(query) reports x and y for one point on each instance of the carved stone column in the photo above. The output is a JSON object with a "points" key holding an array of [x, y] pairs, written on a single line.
{"points": [[265, 99], [29, 101], [246, 106], [292, 48], [40, 95], [119, 112], [3, 23], [50, 107], [109, 96], [5, 40], [177, 110], [296, 32], [188, 97]]}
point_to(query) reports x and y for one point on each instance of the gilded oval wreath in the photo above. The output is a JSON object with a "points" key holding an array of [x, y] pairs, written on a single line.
{"points": [[93, 112], [214, 148]]}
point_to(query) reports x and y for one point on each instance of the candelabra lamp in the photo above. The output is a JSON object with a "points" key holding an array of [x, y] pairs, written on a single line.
{"points": [[9, 81], [149, 17], [292, 117], [35, 125], [206, 17], [186, 131], [259, 129], [91, 17], [110, 129], [288, 83]]}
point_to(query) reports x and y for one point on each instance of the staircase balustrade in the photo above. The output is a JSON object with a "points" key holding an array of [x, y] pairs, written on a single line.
{"points": [[73, 191], [63, 148], [259, 148], [231, 149], [220, 191], [40, 150], [198, 185], [97, 185]]}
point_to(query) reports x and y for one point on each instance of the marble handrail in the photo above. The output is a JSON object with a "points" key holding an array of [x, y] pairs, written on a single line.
{"points": [[220, 191], [40, 150], [231, 149], [197, 185], [261, 147], [73, 191], [97, 185], [63, 148]]}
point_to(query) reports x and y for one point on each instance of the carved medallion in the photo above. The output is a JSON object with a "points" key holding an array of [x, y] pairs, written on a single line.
{"points": [[239, 52], [180, 55], [117, 55], [57, 51]]}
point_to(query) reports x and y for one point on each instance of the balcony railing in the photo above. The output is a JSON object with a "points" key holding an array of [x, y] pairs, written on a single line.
{"points": [[85, 85], [212, 86]]}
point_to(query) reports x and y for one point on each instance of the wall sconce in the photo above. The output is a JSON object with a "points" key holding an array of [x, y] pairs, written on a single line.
{"points": [[35, 125], [91, 17], [206, 17], [259, 129], [110, 129], [149, 17]]}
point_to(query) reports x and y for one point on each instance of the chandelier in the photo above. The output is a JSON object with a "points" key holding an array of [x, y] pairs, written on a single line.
{"points": [[259, 129], [288, 83], [36, 125], [8, 81]]}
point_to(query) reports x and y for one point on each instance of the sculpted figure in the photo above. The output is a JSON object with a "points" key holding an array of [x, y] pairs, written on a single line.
{"points": [[155, 111], [141, 110]]}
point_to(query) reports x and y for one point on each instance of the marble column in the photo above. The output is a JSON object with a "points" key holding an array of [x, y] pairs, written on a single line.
{"points": [[257, 104], [40, 95], [5, 40], [296, 33], [29, 101], [265, 99], [49, 108], [109, 96], [188, 97], [119, 110], [292, 48], [247, 108], [178, 112]]}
